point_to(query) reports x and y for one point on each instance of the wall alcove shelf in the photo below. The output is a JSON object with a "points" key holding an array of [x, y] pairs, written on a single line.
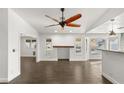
{"points": [[61, 46]]}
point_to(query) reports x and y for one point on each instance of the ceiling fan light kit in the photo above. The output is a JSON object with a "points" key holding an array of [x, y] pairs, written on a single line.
{"points": [[63, 22]]}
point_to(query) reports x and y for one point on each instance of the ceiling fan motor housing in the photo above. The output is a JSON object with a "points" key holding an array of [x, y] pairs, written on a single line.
{"points": [[62, 9], [62, 24]]}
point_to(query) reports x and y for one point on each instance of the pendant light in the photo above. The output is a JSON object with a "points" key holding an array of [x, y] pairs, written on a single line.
{"points": [[112, 33]]}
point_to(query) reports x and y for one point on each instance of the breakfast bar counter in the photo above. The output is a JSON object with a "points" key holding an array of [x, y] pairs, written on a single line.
{"points": [[113, 65]]}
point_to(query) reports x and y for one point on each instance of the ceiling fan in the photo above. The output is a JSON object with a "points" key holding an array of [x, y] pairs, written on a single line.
{"points": [[63, 22]]}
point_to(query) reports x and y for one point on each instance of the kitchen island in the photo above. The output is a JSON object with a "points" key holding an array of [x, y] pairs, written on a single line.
{"points": [[113, 66]]}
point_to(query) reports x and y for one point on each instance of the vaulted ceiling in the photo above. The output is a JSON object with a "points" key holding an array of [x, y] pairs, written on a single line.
{"points": [[91, 17], [118, 26]]}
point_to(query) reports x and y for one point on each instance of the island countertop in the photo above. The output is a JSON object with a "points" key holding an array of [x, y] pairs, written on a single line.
{"points": [[113, 65], [117, 51]]}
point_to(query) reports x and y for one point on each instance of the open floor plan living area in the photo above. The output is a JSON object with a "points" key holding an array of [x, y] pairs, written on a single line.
{"points": [[61, 45]]}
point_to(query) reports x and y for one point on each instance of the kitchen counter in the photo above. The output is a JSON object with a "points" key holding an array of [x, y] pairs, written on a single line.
{"points": [[118, 51], [113, 65], [62, 46]]}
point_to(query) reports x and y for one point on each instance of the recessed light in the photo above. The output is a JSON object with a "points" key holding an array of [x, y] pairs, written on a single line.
{"points": [[55, 31], [70, 31]]}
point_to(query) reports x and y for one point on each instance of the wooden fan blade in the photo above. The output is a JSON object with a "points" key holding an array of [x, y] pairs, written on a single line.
{"points": [[73, 18], [73, 25], [52, 18], [52, 25]]}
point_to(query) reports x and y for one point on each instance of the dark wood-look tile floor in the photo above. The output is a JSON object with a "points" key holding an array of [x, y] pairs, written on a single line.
{"points": [[61, 72]]}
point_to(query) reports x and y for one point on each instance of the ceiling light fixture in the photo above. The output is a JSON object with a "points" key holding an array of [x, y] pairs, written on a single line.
{"points": [[112, 33]]}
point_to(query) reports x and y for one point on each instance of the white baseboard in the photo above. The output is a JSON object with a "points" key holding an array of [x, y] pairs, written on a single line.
{"points": [[13, 77], [110, 78], [6, 80], [3, 80], [28, 56], [49, 60], [78, 60]]}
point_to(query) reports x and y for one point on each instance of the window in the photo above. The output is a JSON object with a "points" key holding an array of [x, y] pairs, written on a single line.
{"points": [[33, 44], [30, 43]]}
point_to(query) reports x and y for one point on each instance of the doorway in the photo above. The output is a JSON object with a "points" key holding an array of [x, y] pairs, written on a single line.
{"points": [[28, 48]]}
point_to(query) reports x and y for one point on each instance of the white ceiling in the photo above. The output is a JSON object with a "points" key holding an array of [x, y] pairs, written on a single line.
{"points": [[91, 17], [107, 26]]}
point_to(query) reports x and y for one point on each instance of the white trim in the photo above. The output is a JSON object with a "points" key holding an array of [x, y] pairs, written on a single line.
{"points": [[110, 78], [95, 58], [29, 56], [49, 60], [13, 77], [38, 61], [3, 80], [78, 60], [6, 80]]}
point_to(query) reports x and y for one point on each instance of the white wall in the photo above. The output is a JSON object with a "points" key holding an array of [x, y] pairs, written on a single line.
{"points": [[60, 39], [12, 26], [3, 44], [38, 49], [16, 27], [122, 42]]}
